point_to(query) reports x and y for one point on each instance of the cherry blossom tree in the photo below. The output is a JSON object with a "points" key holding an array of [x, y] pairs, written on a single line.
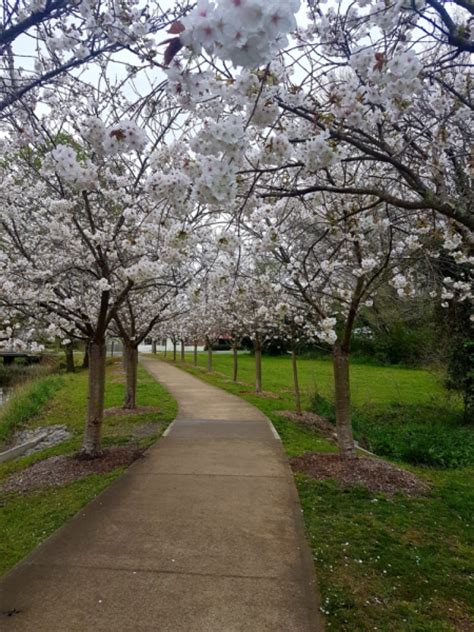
{"points": [[342, 159], [333, 261], [46, 44], [142, 313], [384, 91], [295, 328], [84, 184]]}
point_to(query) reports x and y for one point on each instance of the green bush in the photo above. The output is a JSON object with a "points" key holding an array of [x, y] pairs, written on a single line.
{"points": [[432, 442], [420, 435], [460, 373], [25, 402], [398, 343]]}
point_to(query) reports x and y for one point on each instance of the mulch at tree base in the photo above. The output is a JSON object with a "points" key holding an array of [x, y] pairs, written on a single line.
{"points": [[139, 410], [323, 426], [62, 470], [264, 394], [374, 474]]}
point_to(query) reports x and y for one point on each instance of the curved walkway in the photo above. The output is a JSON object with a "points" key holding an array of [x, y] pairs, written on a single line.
{"points": [[202, 535]]}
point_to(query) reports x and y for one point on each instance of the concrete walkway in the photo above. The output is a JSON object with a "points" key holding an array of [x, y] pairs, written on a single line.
{"points": [[202, 535]]}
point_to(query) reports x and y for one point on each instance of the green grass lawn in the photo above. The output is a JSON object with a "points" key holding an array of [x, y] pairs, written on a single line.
{"points": [[28, 519], [387, 564], [370, 384]]}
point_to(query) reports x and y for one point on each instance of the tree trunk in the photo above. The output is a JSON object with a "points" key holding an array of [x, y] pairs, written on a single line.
{"points": [[68, 349], [182, 351], [91, 446], [153, 346], [258, 364], [174, 351], [209, 355], [130, 355], [235, 363], [85, 359], [343, 402], [166, 347], [195, 354], [296, 382]]}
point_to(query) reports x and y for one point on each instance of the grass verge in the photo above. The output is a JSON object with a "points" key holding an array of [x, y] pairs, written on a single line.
{"points": [[26, 401], [382, 563], [28, 519]]}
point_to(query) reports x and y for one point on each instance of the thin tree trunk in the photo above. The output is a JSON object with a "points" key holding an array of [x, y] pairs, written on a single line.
{"points": [[182, 351], [153, 346], [130, 354], [258, 364], [235, 363], [174, 351], [166, 347], [296, 381], [91, 446], [69, 351], [209, 355], [195, 354], [343, 402], [85, 359]]}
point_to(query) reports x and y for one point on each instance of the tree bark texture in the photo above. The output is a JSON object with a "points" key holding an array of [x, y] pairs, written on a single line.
{"points": [[130, 355], [182, 351], [69, 351], [296, 381], [153, 346], [343, 402], [258, 364], [91, 446], [85, 359], [174, 351], [195, 354], [235, 364], [209, 354]]}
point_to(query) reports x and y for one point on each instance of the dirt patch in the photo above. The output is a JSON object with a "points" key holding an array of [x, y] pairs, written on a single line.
{"points": [[138, 431], [374, 474], [62, 470], [118, 411], [323, 426], [264, 394], [461, 624], [117, 374]]}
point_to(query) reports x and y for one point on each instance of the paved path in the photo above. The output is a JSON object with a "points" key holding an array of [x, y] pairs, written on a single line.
{"points": [[202, 535]]}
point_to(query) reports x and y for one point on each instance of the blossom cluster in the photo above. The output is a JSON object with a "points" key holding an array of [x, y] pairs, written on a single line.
{"points": [[122, 137], [246, 32], [81, 175]]}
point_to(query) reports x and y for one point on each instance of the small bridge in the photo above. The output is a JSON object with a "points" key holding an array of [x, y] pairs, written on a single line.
{"points": [[9, 357]]}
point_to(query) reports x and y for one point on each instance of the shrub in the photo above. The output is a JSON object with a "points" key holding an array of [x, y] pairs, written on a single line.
{"points": [[461, 374], [398, 343], [420, 435]]}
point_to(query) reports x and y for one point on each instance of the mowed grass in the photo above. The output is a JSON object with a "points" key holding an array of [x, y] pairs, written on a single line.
{"points": [[28, 519], [387, 564], [370, 384], [402, 413]]}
